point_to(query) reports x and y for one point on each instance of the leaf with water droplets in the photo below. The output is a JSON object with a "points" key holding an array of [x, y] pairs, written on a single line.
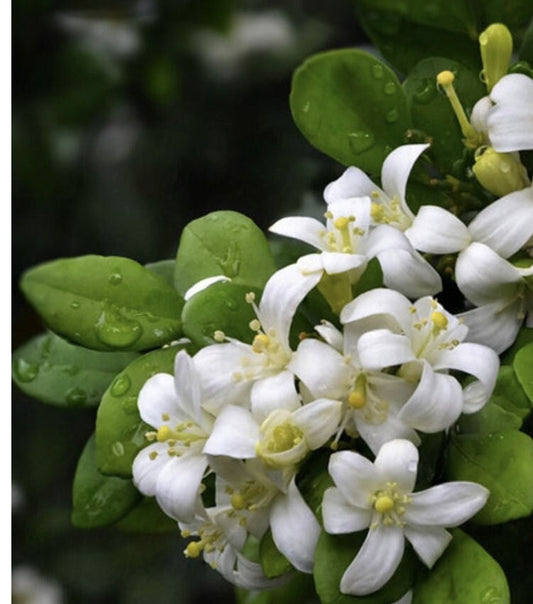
{"points": [[54, 371], [105, 303], [99, 500], [523, 366], [464, 574], [120, 432], [223, 243], [503, 463], [350, 106]]}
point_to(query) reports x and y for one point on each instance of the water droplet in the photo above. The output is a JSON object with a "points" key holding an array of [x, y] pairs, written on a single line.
{"points": [[117, 448], [377, 71], [115, 278], [121, 384], [490, 595], [360, 141], [24, 371], [76, 396], [129, 405], [391, 116], [426, 92], [389, 88], [311, 117], [115, 330], [46, 345], [75, 305]]}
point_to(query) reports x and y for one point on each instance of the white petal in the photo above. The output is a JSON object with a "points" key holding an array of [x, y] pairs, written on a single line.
{"points": [[477, 360], [146, 469], [187, 386], [436, 403], [480, 115], [355, 477], [376, 561], [437, 231], [485, 277], [234, 434], [510, 121], [177, 489], [318, 420], [381, 348], [281, 297], [305, 229], [203, 284], [249, 575], [321, 368], [408, 272], [397, 461], [353, 183], [275, 392], [380, 301], [295, 529], [337, 262], [331, 335], [428, 542], [397, 167], [493, 326], [157, 398], [342, 517], [448, 504], [376, 435], [507, 224]]}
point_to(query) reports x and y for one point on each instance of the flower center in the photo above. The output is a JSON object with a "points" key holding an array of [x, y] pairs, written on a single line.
{"points": [[361, 399], [251, 496], [390, 504], [178, 439], [341, 236], [283, 443], [432, 331], [384, 210], [211, 538]]}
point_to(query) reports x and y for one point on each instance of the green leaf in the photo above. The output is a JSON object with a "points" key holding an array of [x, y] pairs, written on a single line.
{"points": [[465, 573], [523, 366], [333, 555], [120, 432], [431, 110], [525, 336], [54, 371], [370, 279], [99, 500], [221, 306], [163, 268], [104, 303], [506, 409], [273, 562], [350, 106], [299, 588], [313, 479], [223, 243], [503, 463], [147, 517]]}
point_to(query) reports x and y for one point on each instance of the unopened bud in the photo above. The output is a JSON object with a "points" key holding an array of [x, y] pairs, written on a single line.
{"points": [[499, 173], [496, 46]]}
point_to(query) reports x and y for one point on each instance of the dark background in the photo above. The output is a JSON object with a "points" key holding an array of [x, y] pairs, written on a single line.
{"points": [[122, 133]]}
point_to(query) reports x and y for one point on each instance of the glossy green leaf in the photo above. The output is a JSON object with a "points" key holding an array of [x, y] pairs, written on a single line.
{"points": [[503, 463], [464, 574], [104, 303], [525, 336], [506, 409], [333, 555], [57, 372], [223, 243], [147, 517], [350, 106], [120, 432], [221, 306], [163, 268], [431, 110], [299, 588], [273, 562], [523, 366], [99, 500]]}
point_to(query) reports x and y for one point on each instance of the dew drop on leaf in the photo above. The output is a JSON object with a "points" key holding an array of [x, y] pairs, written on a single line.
{"points": [[391, 116], [360, 141], [24, 371], [120, 385], [115, 330], [377, 71], [426, 93], [76, 396], [389, 88], [117, 448], [115, 278]]}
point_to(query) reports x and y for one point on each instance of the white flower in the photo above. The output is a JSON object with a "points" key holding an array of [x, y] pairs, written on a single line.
{"points": [[379, 496], [236, 373], [260, 499], [388, 204], [505, 117], [347, 243], [173, 465], [435, 339], [280, 439]]}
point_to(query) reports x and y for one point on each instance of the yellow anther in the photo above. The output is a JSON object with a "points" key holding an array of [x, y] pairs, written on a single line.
{"points": [[237, 501], [250, 297], [194, 549], [165, 417], [341, 223], [164, 433], [377, 211], [357, 399], [254, 325], [384, 504], [260, 343], [472, 138], [152, 455], [219, 336], [439, 320], [328, 215]]}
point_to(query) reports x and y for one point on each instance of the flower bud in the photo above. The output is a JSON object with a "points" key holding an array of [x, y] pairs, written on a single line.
{"points": [[496, 46], [499, 173]]}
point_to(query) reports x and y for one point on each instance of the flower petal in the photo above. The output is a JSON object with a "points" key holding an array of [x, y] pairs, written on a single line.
{"points": [[352, 183], [392, 307], [234, 434], [340, 516], [507, 224], [147, 466], [448, 504], [437, 231], [408, 272], [376, 561], [428, 542], [187, 386], [295, 529], [318, 420], [397, 461], [376, 435], [354, 476], [396, 170], [274, 392], [309, 230], [330, 334], [338, 262], [381, 348], [157, 398]]}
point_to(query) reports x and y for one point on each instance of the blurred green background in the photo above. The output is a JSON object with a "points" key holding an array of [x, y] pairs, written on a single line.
{"points": [[129, 120]]}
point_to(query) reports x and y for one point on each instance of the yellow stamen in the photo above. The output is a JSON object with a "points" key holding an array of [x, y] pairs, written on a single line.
{"points": [[194, 549], [260, 343], [384, 504], [439, 320]]}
